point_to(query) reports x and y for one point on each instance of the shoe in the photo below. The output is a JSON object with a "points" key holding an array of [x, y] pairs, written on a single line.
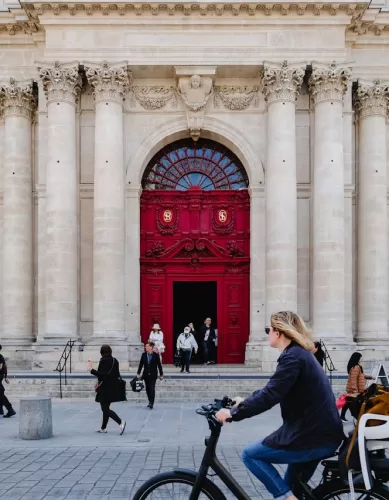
{"points": [[208, 362], [182, 371], [151, 406], [102, 431], [122, 427], [187, 371], [10, 413]]}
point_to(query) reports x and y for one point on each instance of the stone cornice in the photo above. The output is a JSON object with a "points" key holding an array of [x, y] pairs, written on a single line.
{"points": [[109, 80], [282, 82], [36, 9], [328, 82], [371, 98]]}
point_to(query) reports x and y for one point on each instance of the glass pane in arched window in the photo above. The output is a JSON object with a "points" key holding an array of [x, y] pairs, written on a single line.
{"points": [[207, 165]]}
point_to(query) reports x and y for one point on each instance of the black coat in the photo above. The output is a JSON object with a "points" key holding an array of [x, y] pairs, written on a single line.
{"points": [[108, 375], [212, 334], [300, 386], [150, 370]]}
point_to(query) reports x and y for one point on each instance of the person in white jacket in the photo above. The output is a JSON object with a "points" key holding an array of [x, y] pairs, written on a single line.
{"points": [[156, 337], [185, 344]]}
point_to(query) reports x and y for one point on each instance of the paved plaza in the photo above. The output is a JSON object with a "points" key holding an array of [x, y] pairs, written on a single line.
{"points": [[77, 463]]}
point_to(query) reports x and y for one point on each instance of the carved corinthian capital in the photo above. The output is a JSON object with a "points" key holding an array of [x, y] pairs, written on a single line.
{"points": [[18, 98], [371, 98], [328, 82], [109, 81], [282, 82], [61, 82]]}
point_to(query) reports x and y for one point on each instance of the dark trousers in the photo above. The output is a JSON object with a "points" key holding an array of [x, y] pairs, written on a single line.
{"points": [[344, 411], [206, 351], [150, 389], [3, 399], [209, 351], [108, 413], [185, 358]]}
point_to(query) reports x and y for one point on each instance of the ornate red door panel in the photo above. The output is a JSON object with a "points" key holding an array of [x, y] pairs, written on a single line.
{"points": [[201, 236], [235, 318]]}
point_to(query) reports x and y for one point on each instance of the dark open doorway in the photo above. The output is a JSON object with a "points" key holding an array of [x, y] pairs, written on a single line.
{"points": [[193, 301]]}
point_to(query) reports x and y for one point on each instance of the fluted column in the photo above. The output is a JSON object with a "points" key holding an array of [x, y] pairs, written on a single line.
{"points": [[19, 104], [109, 83], [62, 84], [371, 103], [281, 83], [328, 84]]}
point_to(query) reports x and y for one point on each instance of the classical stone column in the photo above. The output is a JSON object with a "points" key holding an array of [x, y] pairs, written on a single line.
{"points": [[62, 84], [328, 84], [19, 104], [371, 103], [109, 83], [281, 83]]}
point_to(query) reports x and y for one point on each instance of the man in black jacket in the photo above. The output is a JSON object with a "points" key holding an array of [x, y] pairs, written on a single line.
{"points": [[150, 362], [208, 340], [3, 398]]}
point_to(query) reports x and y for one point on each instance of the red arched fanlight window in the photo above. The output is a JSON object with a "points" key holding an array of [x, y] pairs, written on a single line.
{"points": [[205, 164]]}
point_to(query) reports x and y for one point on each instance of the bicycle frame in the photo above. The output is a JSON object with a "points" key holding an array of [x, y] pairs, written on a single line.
{"points": [[210, 460]]}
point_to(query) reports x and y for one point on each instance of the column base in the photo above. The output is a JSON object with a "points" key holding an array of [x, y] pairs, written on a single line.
{"points": [[259, 354], [18, 354]]}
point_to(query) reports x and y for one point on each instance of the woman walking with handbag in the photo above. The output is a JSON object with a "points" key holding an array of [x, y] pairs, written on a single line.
{"points": [[109, 388]]}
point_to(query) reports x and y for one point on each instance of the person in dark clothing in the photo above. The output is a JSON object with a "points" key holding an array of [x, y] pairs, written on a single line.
{"points": [[150, 363], [108, 388], [311, 429], [3, 398], [318, 353], [208, 339]]}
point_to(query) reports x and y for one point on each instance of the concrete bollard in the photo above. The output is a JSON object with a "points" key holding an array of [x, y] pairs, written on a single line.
{"points": [[35, 418]]}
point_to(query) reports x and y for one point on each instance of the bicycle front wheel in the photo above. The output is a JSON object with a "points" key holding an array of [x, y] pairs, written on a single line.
{"points": [[176, 485], [340, 491]]}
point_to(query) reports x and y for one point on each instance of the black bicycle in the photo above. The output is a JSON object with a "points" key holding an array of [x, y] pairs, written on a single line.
{"points": [[185, 484]]}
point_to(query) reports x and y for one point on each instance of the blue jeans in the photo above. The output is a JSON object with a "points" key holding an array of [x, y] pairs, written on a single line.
{"points": [[259, 458]]}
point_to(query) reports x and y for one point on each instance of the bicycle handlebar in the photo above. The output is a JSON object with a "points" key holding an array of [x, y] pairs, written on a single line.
{"points": [[209, 411]]}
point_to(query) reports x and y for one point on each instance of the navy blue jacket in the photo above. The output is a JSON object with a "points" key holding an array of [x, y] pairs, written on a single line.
{"points": [[300, 386]]}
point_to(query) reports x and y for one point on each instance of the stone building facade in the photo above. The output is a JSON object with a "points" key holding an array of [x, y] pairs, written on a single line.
{"points": [[90, 92]]}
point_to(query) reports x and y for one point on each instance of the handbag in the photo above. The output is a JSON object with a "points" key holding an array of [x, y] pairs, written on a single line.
{"points": [[341, 401], [136, 385], [99, 384]]}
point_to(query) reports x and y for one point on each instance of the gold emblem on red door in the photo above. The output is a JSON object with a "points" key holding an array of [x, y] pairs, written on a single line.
{"points": [[167, 216], [222, 216]]}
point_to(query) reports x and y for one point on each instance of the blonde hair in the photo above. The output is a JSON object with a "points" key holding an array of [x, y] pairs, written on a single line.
{"points": [[293, 327]]}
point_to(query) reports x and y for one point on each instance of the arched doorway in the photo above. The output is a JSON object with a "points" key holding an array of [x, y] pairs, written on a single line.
{"points": [[195, 244]]}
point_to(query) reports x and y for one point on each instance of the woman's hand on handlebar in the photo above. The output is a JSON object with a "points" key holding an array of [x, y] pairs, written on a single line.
{"points": [[223, 415]]}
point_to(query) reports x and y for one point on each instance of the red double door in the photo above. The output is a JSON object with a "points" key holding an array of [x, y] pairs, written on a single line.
{"points": [[195, 248]]}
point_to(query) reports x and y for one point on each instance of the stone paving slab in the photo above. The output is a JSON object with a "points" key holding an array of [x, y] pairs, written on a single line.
{"points": [[78, 464]]}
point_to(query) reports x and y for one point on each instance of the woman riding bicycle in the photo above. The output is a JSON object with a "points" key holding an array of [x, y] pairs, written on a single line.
{"points": [[311, 429]]}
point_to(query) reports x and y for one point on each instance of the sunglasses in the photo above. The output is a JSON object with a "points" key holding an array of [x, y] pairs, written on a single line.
{"points": [[267, 330]]}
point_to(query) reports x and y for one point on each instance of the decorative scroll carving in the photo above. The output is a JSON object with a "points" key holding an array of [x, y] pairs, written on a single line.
{"points": [[235, 98], [195, 92], [371, 98], [61, 82], [223, 220], [167, 220], [153, 98], [282, 82], [18, 99], [109, 81], [157, 249], [329, 82], [233, 249]]}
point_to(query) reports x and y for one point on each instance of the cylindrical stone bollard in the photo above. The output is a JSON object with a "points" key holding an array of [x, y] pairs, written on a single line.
{"points": [[35, 418]]}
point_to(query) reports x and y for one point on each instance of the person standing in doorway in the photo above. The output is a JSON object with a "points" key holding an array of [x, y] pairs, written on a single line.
{"points": [[3, 398], [156, 337], [208, 338], [149, 366], [185, 345]]}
